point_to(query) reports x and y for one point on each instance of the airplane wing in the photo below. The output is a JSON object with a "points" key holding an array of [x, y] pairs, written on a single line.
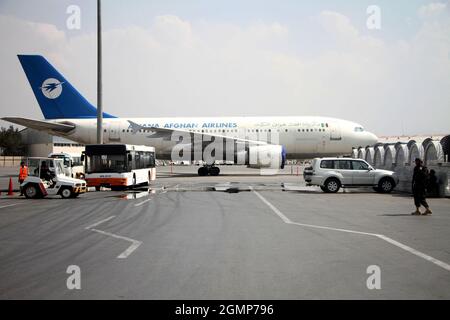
{"points": [[41, 124], [166, 134]]}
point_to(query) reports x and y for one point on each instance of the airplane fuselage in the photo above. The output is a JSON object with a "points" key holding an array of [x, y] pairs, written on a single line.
{"points": [[303, 137]]}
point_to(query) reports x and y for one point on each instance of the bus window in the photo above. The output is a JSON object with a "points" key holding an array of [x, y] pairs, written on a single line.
{"points": [[106, 163]]}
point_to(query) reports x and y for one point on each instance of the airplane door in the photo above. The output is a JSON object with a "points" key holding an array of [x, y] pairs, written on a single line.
{"points": [[335, 131], [114, 131]]}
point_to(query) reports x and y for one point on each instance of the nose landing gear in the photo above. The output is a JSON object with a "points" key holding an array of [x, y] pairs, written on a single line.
{"points": [[208, 170]]}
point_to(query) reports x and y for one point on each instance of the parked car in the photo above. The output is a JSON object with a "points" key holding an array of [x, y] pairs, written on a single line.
{"points": [[333, 173]]}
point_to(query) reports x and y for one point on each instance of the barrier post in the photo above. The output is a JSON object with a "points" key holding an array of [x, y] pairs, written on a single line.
{"points": [[10, 189]]}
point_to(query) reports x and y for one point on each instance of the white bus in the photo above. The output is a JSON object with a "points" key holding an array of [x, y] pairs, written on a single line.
{"points": [[118, 166]]}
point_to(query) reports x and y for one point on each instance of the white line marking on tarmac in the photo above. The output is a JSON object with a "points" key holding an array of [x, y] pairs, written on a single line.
{"points": [[100, 222], [134, 243], [415, 252], [271, 206], [143, 202], [10, 205], [380, 236]]}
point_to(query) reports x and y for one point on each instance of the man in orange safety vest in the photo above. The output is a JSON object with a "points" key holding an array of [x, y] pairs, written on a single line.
{"points": [[23, 174]]}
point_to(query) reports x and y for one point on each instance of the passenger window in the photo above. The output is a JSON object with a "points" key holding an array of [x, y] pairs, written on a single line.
{"points": [[344, 165], [327, 164], [359, 165]]}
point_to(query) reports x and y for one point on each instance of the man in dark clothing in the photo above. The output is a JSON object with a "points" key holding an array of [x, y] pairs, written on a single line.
{"points": [[419, 183]]}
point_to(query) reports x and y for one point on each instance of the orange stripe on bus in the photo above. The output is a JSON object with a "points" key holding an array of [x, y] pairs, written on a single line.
{"points": [[96, 182]]}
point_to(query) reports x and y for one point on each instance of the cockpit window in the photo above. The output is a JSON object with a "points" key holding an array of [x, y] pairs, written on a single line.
{"points": [[359, 129]]}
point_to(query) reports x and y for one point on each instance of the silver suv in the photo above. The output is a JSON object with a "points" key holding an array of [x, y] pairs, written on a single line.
{"points": [[333, 173]]}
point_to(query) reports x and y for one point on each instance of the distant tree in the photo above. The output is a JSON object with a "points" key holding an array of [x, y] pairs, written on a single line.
{"points": [[11, 142]]}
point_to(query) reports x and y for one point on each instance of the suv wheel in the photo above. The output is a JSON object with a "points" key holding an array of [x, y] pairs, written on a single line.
{"points": [[386, 185], [332, 185]]}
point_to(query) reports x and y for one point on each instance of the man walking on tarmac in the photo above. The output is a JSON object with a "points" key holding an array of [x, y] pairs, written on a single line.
{"points": [[419, 183], [23, 174]]}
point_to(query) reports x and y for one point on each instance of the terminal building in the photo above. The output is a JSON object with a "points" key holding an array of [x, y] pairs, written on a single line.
{"points": [[41, 144], [398, 154]]}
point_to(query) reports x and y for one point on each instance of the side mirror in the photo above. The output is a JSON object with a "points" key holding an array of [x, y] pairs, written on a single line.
{"points": [[130, 157], [82, 157]]}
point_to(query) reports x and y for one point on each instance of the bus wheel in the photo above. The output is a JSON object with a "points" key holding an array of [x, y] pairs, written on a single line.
{"points": [[97, 188]]}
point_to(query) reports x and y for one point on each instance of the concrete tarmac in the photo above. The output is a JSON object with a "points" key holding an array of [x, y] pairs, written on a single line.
{"points": [[268, 237]]}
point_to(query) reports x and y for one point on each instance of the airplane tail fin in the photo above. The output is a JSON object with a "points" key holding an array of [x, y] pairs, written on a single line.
{"points": [[57, 98]]}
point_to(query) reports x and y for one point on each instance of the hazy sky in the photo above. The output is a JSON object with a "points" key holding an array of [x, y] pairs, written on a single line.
{"points": [[238, 57]]}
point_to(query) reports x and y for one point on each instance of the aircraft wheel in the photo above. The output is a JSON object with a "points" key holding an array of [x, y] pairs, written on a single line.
{"points": [[202, 171], [214, 171]]}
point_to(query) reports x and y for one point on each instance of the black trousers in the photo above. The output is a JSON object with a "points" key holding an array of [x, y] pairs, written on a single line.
{"points": [[419, 197]]}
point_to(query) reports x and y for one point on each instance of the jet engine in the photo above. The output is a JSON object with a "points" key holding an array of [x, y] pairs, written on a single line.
{"points": [[266, 156]]}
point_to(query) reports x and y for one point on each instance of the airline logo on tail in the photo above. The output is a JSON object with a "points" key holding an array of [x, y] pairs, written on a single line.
{"points": [[51, 88]]}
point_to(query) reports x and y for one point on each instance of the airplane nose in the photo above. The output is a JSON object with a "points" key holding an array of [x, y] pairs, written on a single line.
{"points": [[372, 139]]}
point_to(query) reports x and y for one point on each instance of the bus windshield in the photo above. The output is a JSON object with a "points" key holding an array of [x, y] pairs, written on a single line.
{"points": [[65, 158], [59, 169], [106, 163]]}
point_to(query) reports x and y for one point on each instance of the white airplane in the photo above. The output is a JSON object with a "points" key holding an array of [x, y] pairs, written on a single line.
{"points": [[259, 142]]}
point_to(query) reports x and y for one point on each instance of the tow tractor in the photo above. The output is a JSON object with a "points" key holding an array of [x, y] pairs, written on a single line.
{"points": [[46, 177]]}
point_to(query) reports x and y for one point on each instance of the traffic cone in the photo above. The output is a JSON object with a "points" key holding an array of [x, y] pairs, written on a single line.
{"points": [[10, 190]]}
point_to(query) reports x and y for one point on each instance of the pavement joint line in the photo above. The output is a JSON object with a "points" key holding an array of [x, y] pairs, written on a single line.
{"points": [[99, 222], [134, 243], [10, 205], [380, 236], [142, 202]]}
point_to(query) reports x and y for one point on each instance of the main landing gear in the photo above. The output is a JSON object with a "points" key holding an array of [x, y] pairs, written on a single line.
{"points": [[208, 170]]}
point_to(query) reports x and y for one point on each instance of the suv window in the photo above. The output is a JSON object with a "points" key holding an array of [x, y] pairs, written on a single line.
{"points": [[344, 164], [359, 165], [327, 164]]}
